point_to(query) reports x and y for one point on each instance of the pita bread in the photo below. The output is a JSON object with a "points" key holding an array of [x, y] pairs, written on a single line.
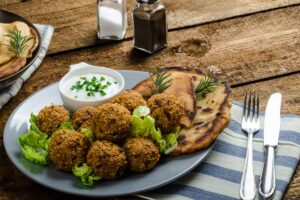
{"points": [[184, 91], [9, 63], [212, 110]]}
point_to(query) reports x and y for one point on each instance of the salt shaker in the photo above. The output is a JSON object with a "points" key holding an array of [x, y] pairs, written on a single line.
{"points": [[150, 26], [112, 19]]}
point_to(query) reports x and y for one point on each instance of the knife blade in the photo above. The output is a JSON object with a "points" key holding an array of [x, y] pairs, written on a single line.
{"points": [[272, 120], [267, 183]]}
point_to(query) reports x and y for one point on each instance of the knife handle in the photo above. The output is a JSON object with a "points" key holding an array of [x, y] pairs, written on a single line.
{"points": [[267, 182]]}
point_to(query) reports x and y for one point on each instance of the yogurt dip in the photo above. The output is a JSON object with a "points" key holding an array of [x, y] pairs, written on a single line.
{"points": [[88, 85], [91, 86]]}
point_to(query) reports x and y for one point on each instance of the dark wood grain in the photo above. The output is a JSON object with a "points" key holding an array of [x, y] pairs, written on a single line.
{"points": [[256, 52], [243, 49], [75, 21]]}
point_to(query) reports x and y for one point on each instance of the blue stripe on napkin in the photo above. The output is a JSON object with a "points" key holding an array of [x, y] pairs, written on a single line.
{"points": [[219, 175], [192, 192], [46, 32]]}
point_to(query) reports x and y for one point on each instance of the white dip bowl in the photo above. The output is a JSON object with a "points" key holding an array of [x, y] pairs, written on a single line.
{"points": [[71, 102]]}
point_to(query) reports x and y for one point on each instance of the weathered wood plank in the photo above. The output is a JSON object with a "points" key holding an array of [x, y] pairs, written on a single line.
{"points": [[14, 185], [75, 21], [239, 48]]}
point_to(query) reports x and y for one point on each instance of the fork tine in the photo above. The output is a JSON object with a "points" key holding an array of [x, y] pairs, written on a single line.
{"points": [[245, 104], [253, 116], [249, 105], [257, 106]]}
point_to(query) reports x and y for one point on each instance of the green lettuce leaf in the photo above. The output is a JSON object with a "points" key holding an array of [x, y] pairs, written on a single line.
{"points": [[33, 126], [171, 141], [142, 124], [86, 174], [34, 144], [141, 111], [63, 126], [66, 125], [88, 133]]}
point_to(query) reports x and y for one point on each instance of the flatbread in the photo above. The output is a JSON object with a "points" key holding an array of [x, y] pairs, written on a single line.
{"points": [[182, 87], [9, 64], [212, 111]]}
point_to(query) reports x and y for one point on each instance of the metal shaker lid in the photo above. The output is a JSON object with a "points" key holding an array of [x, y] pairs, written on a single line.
{"points": [[146, 1]]}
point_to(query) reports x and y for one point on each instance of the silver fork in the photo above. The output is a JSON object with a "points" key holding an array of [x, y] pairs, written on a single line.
{"points": [[250, 125]]}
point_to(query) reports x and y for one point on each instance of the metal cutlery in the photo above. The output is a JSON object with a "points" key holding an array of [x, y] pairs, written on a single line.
{"points": [[267, 183], [250, 125]]}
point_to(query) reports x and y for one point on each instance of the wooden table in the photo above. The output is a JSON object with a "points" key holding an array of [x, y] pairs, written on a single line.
{"points": [[254, 44]]}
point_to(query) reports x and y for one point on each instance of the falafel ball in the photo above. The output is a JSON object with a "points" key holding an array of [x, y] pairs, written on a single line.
{"points": [[130, 99], [67, 149], [142, 154], [82, 118], [111, 122], [50, 118], [167, 110], [107, 160]]}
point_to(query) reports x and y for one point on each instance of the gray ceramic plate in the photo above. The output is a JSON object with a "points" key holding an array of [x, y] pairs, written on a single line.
{"points": [[167, 170]]}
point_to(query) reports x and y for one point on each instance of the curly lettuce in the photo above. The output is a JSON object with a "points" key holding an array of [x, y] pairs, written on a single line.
{"points": [[34, 144], [142, 124], [88, 132], [66, 125], [86, 174]]}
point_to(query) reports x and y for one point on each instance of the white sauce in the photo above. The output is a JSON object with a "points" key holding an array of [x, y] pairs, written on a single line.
{"points": [[81, 94]]}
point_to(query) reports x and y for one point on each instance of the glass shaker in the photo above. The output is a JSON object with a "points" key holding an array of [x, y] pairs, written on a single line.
{"points": [[150, 26], [112, 19]]}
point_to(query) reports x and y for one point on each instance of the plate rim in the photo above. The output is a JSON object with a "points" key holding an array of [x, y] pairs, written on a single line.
{"points": [[28, 174]]}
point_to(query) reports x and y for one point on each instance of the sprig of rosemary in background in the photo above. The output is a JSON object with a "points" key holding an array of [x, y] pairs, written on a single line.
{"points": [[206, 84], [161, 82], [17, 44]]}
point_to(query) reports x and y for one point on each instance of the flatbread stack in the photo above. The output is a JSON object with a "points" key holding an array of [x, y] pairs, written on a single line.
{"points": [[205, 117], [9, 61]]}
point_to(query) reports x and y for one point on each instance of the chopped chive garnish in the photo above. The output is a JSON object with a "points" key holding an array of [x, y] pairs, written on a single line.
{"points": [[92, 86]]}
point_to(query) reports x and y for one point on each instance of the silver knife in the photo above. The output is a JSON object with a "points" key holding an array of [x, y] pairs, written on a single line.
{"points": [[267, 182]]}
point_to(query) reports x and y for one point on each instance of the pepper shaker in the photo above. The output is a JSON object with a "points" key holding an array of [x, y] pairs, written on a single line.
{"points": [[112, 19], [150, 26]]}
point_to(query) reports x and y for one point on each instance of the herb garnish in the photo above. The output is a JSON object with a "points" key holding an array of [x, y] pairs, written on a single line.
{"points": [[17, 44], [161, 82], [206, 84], [92, 86]]}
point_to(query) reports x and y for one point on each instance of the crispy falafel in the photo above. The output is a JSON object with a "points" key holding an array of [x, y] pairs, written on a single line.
{"points": [[67, 149], [82, 118], [111, 122], [142, 154], [167, 110], [107, 160], [130, 99], [50, 118]]}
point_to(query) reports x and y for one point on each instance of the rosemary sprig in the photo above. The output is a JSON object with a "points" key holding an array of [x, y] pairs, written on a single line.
{"points": [[161, 82], [17, 44], [206, 85]]}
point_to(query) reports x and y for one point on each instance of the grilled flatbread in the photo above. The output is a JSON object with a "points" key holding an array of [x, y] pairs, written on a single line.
{"points": [[9, 63], [182, 87], [212, 110]]}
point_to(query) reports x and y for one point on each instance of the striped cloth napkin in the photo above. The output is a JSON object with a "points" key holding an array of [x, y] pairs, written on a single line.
{"points": [[219, 176], [46, 32]]}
